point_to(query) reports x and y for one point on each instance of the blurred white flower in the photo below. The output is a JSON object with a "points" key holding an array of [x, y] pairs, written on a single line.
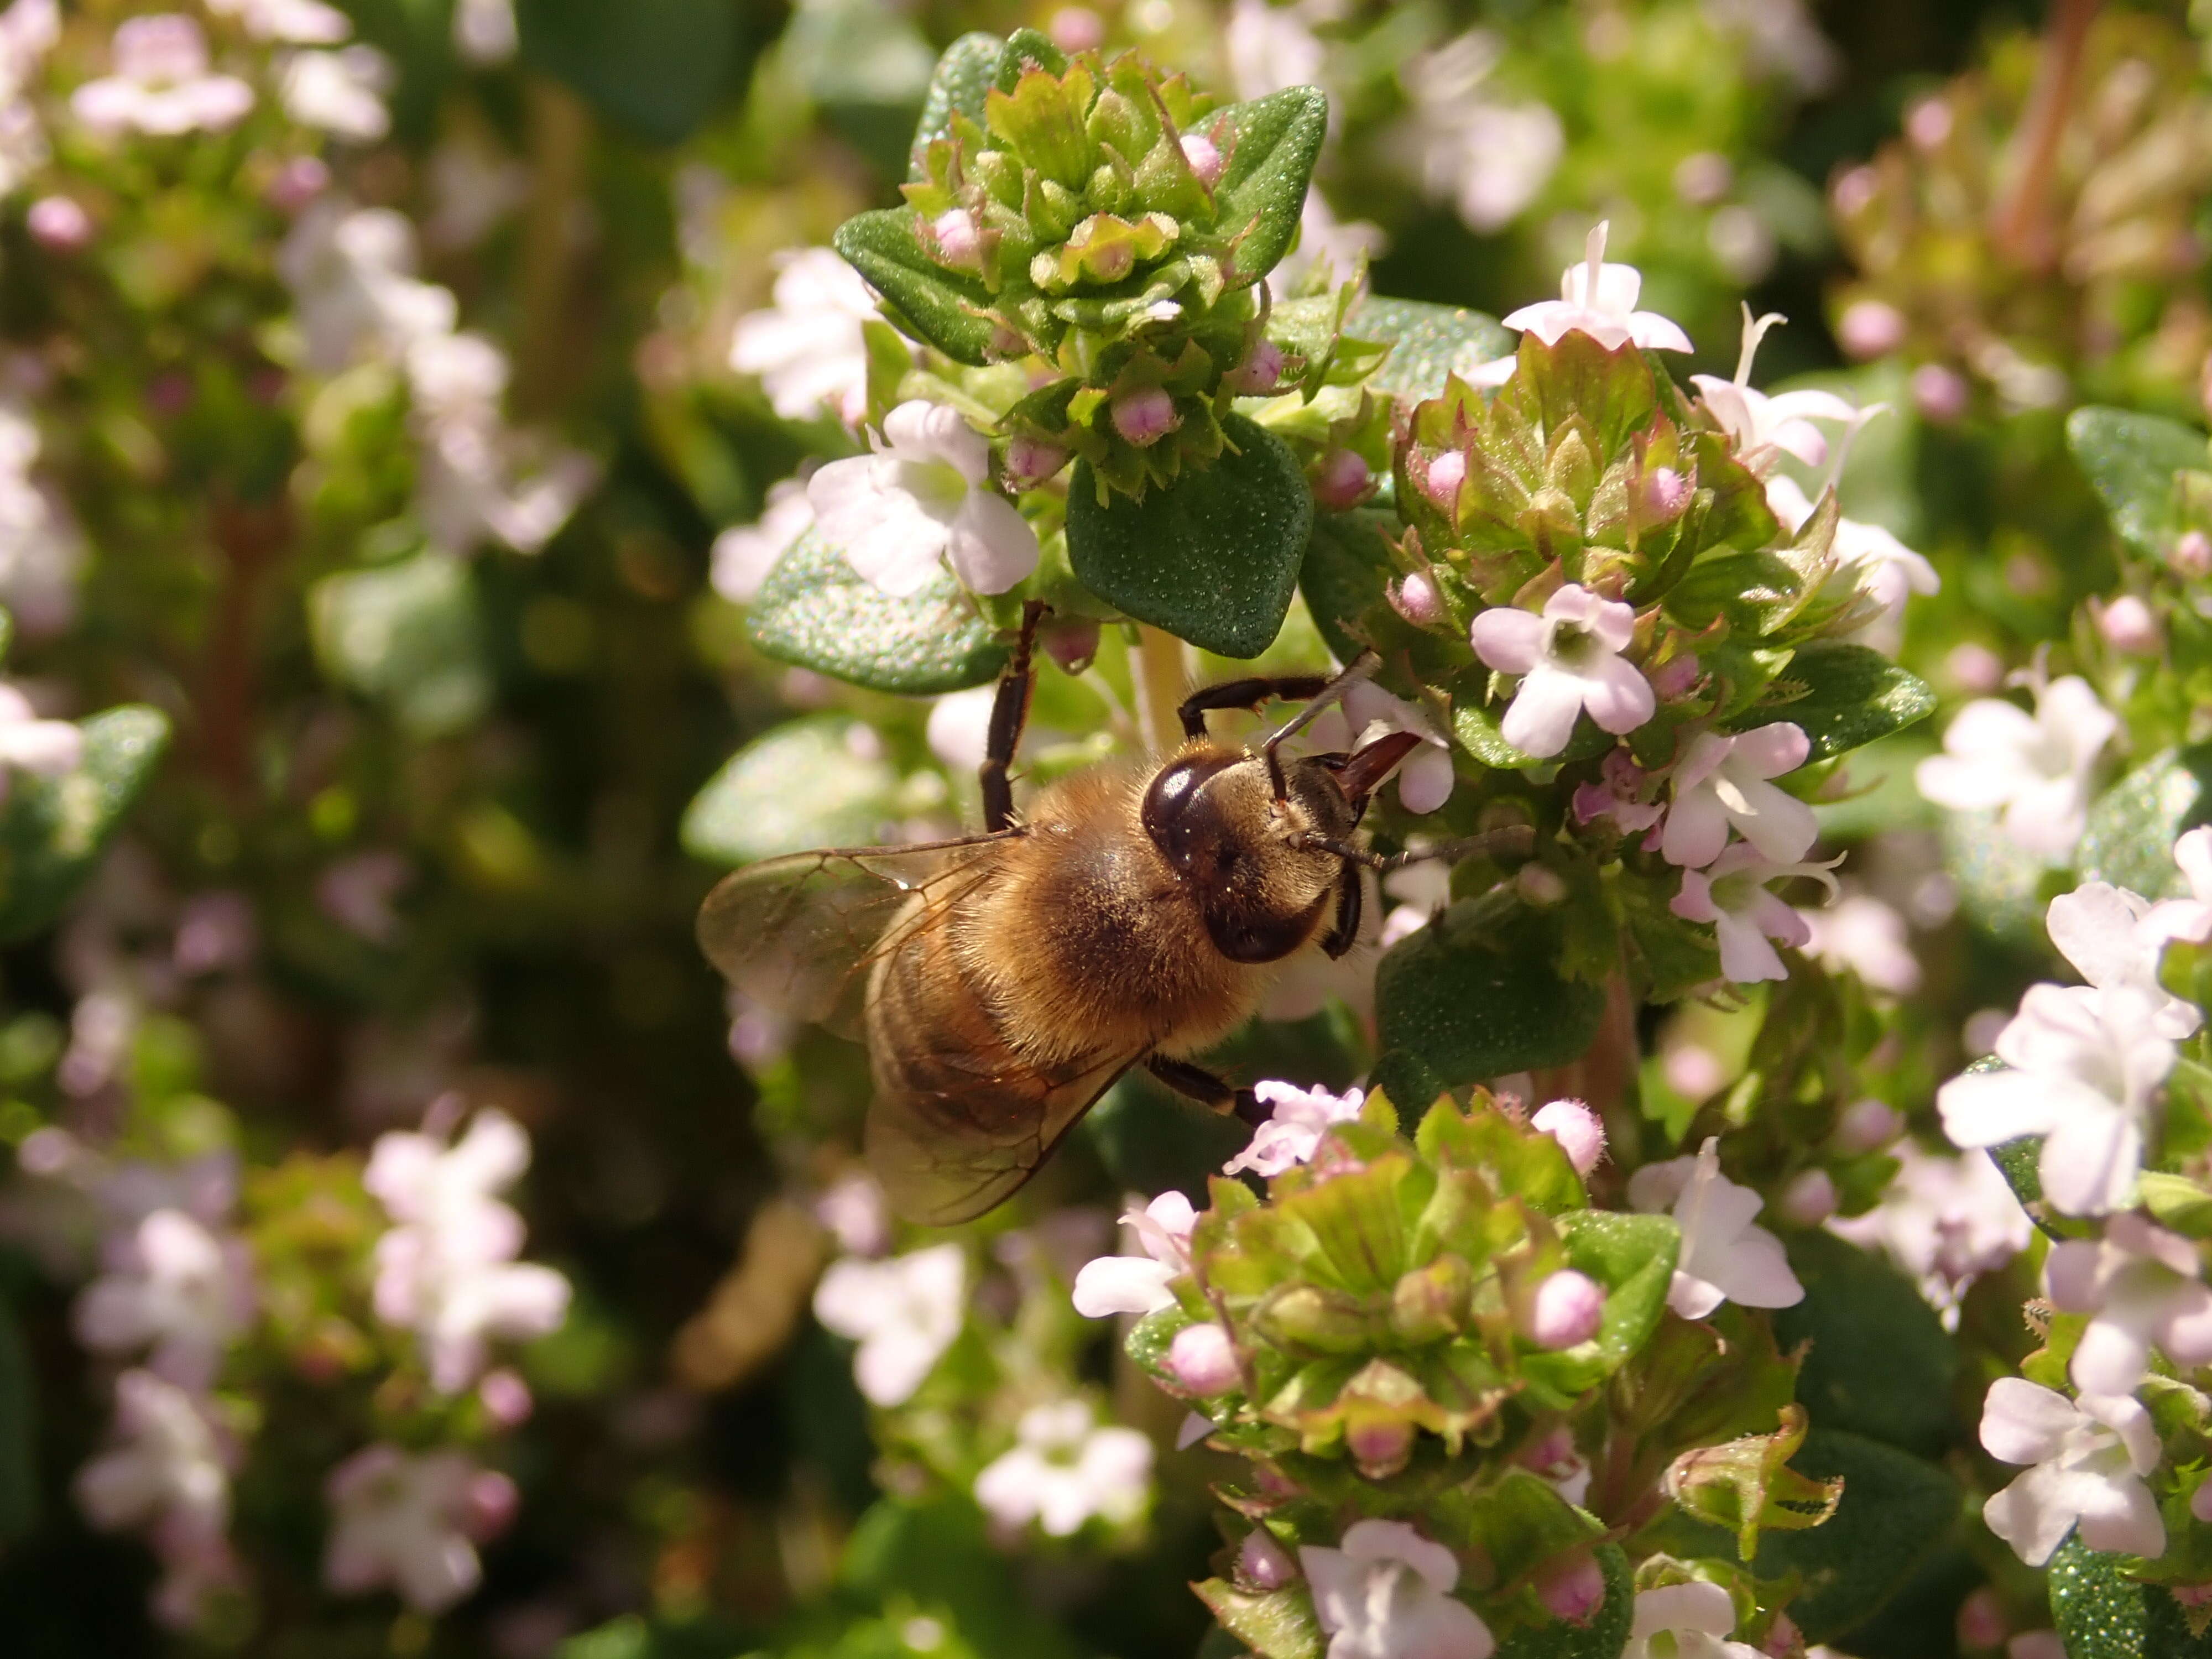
{"points": [[807, 348], [2143, 1285], [2190, 918], [161, 84], [1885, 570], [168, 1472], [2084, 1066], [351, 271], [1725, 1256], [1731, 893], [47, 749], [2089, 1459], [2034, 767], [1385, 1593], [216, 933], [1699, 1617], [2110, 936], [1859, 934], [1297, 1119], [472, 188], [744, 554], [1138, 1284], [959, 727], [1944, 1221], [1487, 155], [903, 1312], [475, 477], [41, 550], [1721, 783], [340, 93], [174, 1286], [29, 30], [1064, 1468], [854, 1209], [1269, 48], [485, 32], [297, 23], [412, 1522], [447, 1269], [1327, 244], [1780, 38], [923, 498], [1599, 300], [1569, 658]]}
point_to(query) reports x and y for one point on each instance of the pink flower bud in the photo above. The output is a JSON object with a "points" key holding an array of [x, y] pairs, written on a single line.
{"points": [[1930, 123], [1579, 1130], [1260, 371], [1940, 394], [1380, 1449], [1784, 1639], [56, 222], [1703, 178], [1677, 677], [1145, 416], [2192, 1595], [1870, 328], [1692, 1070], [2126, 624], [1573, 1591], [1030, 462], [297, 183], [1263, 1563], [1808, 1200], [1076, 28], [1445, 475], [488, 1504], [1539, 888], [1416, 599], [1865, 1126], [1343, 480], [1855, 190], [505, 1397], [1204, 157], [1567, 1310], [1666, 492], [2192, 556], [1975, 668], [958, 243], [1203, 1359], [1981, 1621], [1073, 645]]}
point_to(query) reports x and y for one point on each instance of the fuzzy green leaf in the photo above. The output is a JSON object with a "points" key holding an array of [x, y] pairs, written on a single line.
{"points": [[1897, 1510], [1276, 140], [947, 309], [963, 75], [1274, 1624], [816, 610], [1214, 558], [1428, 345], [2131, 459], [1027, 49], [1464, 999], [1880, 1363], [801, 786], [53, 830], [2134, 825], [1852, 696]]}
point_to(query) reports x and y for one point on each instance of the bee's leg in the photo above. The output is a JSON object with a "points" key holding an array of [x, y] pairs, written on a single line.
{"points": [[1247, 694], [1009, 711], [1351, 898], [1196, 1083]]}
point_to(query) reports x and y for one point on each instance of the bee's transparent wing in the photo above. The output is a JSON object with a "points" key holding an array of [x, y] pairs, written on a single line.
{"points": [[797, 934]]}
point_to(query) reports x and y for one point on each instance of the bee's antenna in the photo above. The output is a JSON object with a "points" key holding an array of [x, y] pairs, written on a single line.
{"points": [[1361, 667]]}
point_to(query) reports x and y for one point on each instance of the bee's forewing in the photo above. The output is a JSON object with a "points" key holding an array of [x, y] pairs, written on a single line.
{"points": [[796, 933]]}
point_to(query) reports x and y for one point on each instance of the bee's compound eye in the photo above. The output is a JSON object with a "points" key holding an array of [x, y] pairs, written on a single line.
{"points": [[1179, 815]]}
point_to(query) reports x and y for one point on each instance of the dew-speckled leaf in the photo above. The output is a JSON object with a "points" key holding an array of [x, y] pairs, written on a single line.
{"points": [[52, 830], [1459, 1002], [1214, 558], [2134, 825], [1852, 697], [1881, 1363], [817, 782], [1605, 1634], [1027, 49], [1346, 569], [946, 308], [1897, 1510], [2101, 1614], [1633, 1257], [2131, 459], [410, 635], [1427, 343], [816, 611], [2004, 889], [1278, 139], [962, 77]]}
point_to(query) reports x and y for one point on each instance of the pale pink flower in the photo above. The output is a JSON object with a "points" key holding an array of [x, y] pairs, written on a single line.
{"points": [[2112, 939], [168, 1472], [1618, 795], [1297, 1119], [341, 93], [1566, 1311], [1732, 895], [1763, 425], [162, 85], [1944, 1221], [172, 1286], [1569, 658], [807, 348], [47, 749], [1204, 1359], [904, 1312], [351, 271], [1809, 1199], [2190, 918], [855, 1211], [1882, 569], [1599, 300], [357, 893], [1489, 155], [1138, 1284], [1327, 246], [2143, 1285], [1386, 1594], [412, 1522], [1720, 782], [1859, 934], [2034, 767], [1697, 1616], [295, 22], [1064, 1469], [1725, 1256], [2089, 1457]]}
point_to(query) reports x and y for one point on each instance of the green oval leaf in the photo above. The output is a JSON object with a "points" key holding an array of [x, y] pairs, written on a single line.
{"points": [[812, 782], [1880, 1363], [1346, 569], [2134, 825], [53, 830], [963, 75], [1263, 190], [1428, 344], [2101, 1614], [1214, 558], [410, 635], [816, 610], [1027, 49], [1851, 697], [2131, 459], [1897, 1510], [944, 308], [1464, 1000]]}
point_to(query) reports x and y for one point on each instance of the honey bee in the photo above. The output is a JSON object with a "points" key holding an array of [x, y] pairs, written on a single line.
{"points": [[1003, 981]]}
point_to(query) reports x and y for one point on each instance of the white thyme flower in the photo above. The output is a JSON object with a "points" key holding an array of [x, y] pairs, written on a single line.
{"points": [[1765, 424], [2115, 939], [2143, 1286], [485, 31], [47, 749], [412, 1522], [351, 271], [1725, 1256], [176, 1287], [1490, 156], [1720, 782], [161, 84], [1685, 1621], [1064, 1468], [807, 348], [1568, 660], [1385, 1593], [296, 22], [2089, 1457], [1138, 1284], [1297, 1119], [341, 93], [903, 1312], [1859, 934], [1599, 300], [169, 1467], [1944, 1221], [2035, 768], [1731, 893]]}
